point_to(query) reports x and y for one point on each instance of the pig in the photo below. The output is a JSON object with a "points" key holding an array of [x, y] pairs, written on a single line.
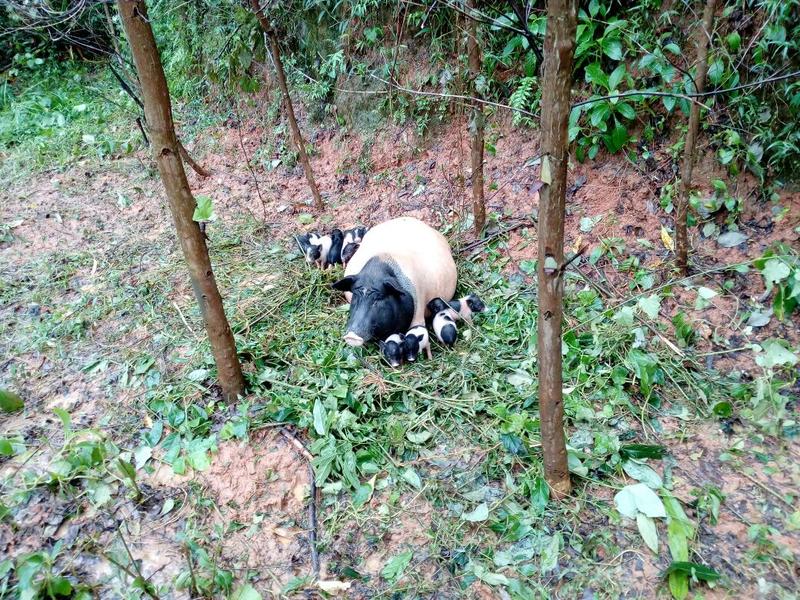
{"points": [[393, 349], [310, 245], [348, 252], [351, 242], [401, 265], [420, 333], [410, 348], [466, 306], [443, 321], [335, 251]]}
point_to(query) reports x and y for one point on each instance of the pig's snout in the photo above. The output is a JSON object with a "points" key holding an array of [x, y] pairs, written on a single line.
{"points": [[353, 339]]}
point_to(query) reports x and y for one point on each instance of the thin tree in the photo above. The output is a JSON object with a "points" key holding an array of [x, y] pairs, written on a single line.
{"points": [[559, 47], [476, 126], [682, 205], [167, 153], [297, 137]]}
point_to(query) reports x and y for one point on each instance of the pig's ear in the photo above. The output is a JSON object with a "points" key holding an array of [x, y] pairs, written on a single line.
{"points": [[381, 345], [345, 284], [393, 288]]}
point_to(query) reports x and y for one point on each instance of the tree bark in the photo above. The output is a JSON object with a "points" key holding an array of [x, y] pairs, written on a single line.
{"points": [[476, 129], [166, 150], [297, 137], [682, 206], [559, 47]]}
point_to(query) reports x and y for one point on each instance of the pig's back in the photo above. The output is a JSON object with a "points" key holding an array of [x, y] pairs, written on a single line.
{"points": [[422, 254]]}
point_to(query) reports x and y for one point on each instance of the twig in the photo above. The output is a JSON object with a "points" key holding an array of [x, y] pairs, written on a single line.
{"points": [[312, 503], [180, 313], [195, 167], [130, 574], [188, 554], [766, 489], [235, 105], [477, 244], [141, 577], [126, 87]]}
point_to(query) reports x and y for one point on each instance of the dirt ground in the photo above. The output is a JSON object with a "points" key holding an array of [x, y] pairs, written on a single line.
{"points": [[116, 209]]}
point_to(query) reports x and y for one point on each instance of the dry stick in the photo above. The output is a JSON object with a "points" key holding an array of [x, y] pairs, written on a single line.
{"points": [[235, 105], [146, 586], [141, 128], [275, 51], [312, 504], [682, 205], [129, 573], [195, 167]]}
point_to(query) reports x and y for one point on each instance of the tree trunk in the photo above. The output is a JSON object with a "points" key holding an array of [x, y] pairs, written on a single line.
{"points": [[476, 127], [682, 206], [297, 137], [559, 47], [166, 150]]}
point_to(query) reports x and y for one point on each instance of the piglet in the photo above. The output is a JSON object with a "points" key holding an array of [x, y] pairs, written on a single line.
{"points": [[466, 306], [351, 242], [310, 245], [393, 349], [330, 249], [410, 348], [444, 325], [335, 250], [420, 332]]}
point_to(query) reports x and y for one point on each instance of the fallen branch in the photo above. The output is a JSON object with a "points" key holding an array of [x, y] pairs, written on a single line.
{"points": [[312, 503], [477, 244], [195, 167]]}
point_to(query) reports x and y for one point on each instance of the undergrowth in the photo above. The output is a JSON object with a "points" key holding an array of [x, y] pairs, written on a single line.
{"points": [[376, 434]]}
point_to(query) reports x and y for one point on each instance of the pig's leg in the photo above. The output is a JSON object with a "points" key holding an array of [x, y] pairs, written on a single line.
{"points": [[428, 351]]}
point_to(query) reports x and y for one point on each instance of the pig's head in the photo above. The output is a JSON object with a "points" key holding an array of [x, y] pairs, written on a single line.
{"points": [[379, 306]]}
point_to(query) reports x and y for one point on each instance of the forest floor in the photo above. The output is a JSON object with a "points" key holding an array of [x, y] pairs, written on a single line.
{"points": [[125, 466]]}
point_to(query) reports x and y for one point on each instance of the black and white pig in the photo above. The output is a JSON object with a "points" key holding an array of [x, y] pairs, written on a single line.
{"points": [[351, 242], [311, 246], [393, 349], [423, 342], [443, 321], [466, 306], [401, 265]]}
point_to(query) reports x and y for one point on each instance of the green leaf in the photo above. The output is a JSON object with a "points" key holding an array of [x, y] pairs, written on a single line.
{"points": [[636, 498], [540, 494], [550, 551], [731, 239], [617, 139], [694, 570], [411, 477], [704, 296], [643, 451], [643, 473], [594, 74], [204, 211], [626, 110], [612, 48], [481, 513], [320, 418], [420, 437], [394, 569], [678, 585], [669, 102], [127, 469], [774, 271], [199, 460], [6, 449], [59, 586], [168, 505], [734, 40], [246, 592], [488, 577], [616, 77], [66, 420], [650, 305], [775, 354], [10, 402], [716, 71], [648, 531]]}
